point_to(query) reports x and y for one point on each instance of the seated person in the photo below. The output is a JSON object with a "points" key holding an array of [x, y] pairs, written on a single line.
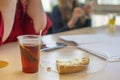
{"points": [[69, 14], [19, 17]]}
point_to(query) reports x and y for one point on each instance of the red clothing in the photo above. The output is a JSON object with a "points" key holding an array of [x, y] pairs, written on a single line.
{"points": [[1, 29], [23, 24]]}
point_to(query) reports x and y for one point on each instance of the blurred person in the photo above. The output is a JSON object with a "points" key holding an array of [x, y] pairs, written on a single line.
{"points": [[19, 17], [69, 14]]}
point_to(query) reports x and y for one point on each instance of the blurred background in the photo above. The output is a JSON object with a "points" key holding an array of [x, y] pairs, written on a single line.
{"points": [[100, 10]]}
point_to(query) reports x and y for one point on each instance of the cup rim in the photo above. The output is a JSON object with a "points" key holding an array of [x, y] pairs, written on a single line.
{"points": [[36, 37]]}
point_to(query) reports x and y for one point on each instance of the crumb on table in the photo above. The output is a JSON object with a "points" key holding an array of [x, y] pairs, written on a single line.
{"points": [[48, 68]]}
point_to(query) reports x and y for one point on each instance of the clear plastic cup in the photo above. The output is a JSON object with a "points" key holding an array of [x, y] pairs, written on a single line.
{"points": [[30, 52]]}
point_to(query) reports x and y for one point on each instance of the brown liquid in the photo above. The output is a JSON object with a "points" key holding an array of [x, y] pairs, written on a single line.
{"points": [[30, 55]]}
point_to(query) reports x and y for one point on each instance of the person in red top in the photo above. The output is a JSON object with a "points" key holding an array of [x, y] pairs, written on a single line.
{"points": [[19, 17]]}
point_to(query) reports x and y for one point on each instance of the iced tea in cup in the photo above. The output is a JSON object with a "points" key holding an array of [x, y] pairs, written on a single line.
{"points": [[30, 52]]}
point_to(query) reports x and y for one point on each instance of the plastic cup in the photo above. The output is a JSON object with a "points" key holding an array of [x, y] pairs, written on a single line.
{"points": [[111, 19], [30, 52]]}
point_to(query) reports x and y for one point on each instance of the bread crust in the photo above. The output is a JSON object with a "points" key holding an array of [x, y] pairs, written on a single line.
{"points": [[72, 66]]}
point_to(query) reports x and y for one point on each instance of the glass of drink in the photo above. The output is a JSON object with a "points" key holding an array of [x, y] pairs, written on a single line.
{"points": [[30, 52], [112, 22], [111, 19]]}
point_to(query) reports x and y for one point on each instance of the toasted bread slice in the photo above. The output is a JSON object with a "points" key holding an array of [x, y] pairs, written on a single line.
{"points": [[71, 66]]}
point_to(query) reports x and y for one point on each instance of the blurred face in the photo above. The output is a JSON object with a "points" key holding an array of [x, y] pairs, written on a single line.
{"points": [[70, 3]]}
